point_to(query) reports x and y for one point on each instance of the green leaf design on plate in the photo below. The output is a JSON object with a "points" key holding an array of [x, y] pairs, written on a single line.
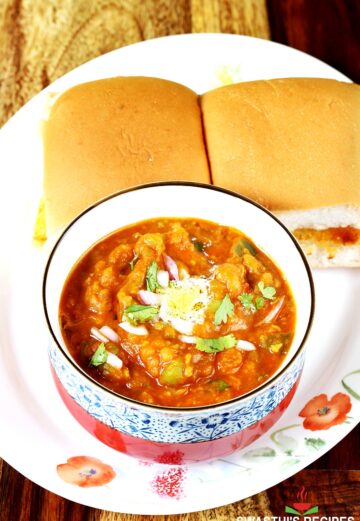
{"points": [[286, 443], [347, 386], [260, 454], [289, 463], [315, 443]]}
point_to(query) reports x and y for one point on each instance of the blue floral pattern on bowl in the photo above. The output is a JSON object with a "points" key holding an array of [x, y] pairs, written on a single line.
{"points": [[171, 426]]}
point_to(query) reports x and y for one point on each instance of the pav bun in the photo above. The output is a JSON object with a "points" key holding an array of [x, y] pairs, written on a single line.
{"points": [[293, 145], [110, 134]]}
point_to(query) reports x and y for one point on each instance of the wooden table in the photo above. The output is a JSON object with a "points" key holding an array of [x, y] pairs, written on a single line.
{"points": [[41, 40]]}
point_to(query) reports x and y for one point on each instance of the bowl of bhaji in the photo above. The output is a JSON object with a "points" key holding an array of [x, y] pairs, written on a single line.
{"points": [[178, 316]]}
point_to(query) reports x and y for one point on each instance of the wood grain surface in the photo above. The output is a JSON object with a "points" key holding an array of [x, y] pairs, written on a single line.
{"points": [[40, 40], [327, 29]]}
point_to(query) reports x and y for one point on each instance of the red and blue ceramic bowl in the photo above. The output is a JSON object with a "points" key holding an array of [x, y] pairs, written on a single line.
{"points": [[165, 434]]}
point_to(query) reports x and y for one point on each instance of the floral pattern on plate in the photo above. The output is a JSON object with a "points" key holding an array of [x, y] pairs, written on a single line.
{"points": [[321, 413], [85, 471], [169, 481]]}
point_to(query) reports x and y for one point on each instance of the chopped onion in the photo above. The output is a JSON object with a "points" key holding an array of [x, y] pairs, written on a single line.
{"points": [[110, 333], [196, 357], [163, 278], [114, 361], [244, 345], [172, 268], [182, 326], [273, 312], [134, 330], [238, 325], [98, 335], [187, 339], [149, 298]]}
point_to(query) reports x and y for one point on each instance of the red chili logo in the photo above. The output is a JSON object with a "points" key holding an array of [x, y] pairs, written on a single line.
{"points": [[302, 507]]}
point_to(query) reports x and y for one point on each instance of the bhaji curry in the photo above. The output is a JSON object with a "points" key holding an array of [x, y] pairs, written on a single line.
{"points": [[177, 312]]}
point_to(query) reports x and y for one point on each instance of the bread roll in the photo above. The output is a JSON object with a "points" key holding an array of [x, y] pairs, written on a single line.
{"points": [[329, 236], [110, 134], [293, 145]]}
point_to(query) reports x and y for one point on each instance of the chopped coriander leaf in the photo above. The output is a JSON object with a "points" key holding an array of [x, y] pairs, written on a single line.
{"points": [[151, 277], [239, 249], [221, 385], [267, 291], [259, 303], [200, 246], [215, 345], [138, 313], [100, 356], [244, 245], [225, 310], [246, 300], [133, 261]]}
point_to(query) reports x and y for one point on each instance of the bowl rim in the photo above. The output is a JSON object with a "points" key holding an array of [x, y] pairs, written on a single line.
{"points": [[163, 408]]}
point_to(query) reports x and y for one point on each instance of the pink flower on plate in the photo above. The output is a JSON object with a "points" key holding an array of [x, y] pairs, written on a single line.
{"points": [[85, 471], [170, 483], [322, 413]]}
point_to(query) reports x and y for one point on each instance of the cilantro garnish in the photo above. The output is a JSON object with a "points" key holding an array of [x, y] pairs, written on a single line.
{"points": [[138, 313], [267, 291], [200, 246], [151, 277], [100, 356], [242, 245], [133, 261], [215, 345], [259, 302], [221, 385], [246, 300], [225, 310]]}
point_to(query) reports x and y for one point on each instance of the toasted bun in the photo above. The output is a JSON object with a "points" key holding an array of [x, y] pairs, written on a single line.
{"points": [[321, 218], [290, 144], [294, 146], [110, 134], [331, 256], [329, 236]]}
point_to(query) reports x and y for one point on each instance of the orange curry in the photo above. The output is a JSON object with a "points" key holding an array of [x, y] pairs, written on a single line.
{"points": [[177, 312]]}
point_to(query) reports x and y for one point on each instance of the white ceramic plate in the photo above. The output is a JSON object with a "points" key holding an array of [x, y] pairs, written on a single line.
{"points": [[37, 432]]}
